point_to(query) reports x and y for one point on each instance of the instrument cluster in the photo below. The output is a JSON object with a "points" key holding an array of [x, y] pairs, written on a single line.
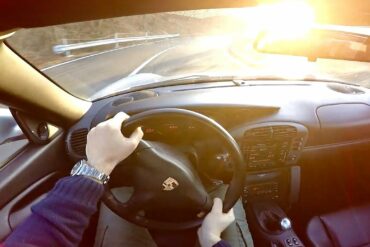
{"points": [[169, 130]]}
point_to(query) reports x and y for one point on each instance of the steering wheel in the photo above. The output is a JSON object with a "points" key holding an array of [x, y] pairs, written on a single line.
{"points": [[164, 179]]}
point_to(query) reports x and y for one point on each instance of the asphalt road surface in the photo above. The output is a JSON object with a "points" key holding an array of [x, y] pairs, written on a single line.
{"points": [[87, 75], [188, 55]]}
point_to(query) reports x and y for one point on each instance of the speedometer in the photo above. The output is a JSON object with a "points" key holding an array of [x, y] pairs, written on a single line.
{"points": [[171, 127]]}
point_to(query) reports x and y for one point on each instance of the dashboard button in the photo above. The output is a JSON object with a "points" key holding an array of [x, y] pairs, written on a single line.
{"points": [[289, 242], [295, 241]]}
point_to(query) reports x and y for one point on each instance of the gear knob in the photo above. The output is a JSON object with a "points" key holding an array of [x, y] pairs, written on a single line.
{"points": [[285, 223]]}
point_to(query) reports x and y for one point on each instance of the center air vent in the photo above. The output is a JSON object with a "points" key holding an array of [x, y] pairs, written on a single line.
{"points": [[284, 131], [78, 141], [269, 145], [274, 132], [261, 132]]}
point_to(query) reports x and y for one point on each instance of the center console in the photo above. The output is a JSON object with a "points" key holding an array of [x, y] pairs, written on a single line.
{"points": [[272, 227], [272, 184], [272, 151]]}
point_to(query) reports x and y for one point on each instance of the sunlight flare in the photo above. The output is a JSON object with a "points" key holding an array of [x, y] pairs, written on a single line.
{"points": [[289, 19]]}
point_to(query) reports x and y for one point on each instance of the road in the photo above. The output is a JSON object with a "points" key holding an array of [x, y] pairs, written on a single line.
{"points": [[87, 75], [188, 55], [84, 76]]}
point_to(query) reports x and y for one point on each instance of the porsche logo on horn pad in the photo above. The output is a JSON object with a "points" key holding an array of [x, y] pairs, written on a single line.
{"points": [[170, 184]]}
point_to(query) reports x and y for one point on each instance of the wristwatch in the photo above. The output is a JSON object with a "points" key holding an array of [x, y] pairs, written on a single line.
{"points": [[82, 168]]}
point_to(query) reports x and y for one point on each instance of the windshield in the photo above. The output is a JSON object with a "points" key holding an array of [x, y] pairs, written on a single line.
{"points": [[97, 58]]}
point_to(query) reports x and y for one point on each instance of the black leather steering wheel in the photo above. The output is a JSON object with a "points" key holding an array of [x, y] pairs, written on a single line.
{"points": [[164, 179]]}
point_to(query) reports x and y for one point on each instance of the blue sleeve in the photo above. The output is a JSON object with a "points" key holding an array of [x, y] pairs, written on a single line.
{"points": [[62, 217], [222, 243]]}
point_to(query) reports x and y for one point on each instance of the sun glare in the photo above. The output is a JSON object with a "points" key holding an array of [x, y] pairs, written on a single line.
{"points": [[280, 25], [288, 19]]}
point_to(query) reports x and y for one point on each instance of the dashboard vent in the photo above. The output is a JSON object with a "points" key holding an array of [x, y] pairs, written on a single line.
{"points": [[274, 132], [78, 141], [346, 89], [130, 97], [122, 101], [260, 132], [284, 131], [270, 145]]}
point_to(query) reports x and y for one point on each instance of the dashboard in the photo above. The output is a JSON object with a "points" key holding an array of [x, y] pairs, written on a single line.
{"points": [[274, 123], [264, 146]]}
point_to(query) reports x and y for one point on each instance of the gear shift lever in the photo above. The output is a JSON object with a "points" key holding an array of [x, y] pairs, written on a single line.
{"points": [[285, 224], [274, 226], [274, 222]]}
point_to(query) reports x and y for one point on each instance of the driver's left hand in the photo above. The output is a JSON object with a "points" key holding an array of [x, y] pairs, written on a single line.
{"points": [[106, 146]]}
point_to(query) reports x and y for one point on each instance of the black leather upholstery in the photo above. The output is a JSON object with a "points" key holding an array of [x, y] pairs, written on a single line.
{"points": [[346, 228]]}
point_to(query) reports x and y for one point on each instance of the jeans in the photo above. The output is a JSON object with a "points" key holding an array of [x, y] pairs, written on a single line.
{"points": [[114, 231]]}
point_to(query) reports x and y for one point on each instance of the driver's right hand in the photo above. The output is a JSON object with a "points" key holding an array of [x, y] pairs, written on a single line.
{"points": [[106, 146], [214, 224]]}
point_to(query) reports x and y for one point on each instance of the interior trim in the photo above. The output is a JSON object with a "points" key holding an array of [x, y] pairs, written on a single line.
{"points": [[295, 183], [24, 88], [336, 145], [7, 34], [29, 166], [20, 13], [5, 212]]}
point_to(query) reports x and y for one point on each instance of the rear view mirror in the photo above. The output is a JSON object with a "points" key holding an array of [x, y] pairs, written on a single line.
{"points": [[318, 43]]}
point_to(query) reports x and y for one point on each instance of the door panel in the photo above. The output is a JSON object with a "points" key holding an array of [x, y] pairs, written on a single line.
{"points": [[19, 208], [27, 178], [12, 139]]}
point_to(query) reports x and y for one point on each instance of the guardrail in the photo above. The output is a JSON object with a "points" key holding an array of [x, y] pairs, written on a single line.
{"points": [[67, 48]]}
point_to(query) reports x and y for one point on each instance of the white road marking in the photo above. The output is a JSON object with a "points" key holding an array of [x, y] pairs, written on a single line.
{"points": [[141, 66]]}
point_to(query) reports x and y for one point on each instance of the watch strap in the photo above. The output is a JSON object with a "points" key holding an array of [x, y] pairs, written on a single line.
{"points": [[84, 169]]}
